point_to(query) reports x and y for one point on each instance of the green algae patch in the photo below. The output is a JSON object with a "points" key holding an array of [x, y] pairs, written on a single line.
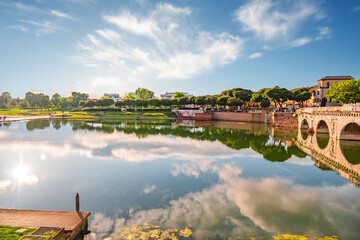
{"points": [[9, 233]]}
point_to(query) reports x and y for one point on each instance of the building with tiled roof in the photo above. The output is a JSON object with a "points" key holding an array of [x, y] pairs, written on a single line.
{"points": [[319, 91]]}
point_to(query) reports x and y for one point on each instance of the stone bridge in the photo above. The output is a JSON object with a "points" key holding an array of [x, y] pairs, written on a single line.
{"points": [[332, 155], [339, 122]]}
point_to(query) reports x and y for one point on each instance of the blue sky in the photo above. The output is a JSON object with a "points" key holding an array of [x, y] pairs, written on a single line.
{"points": [[200, 47]]}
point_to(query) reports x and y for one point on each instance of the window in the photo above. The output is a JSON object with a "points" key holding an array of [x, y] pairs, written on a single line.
{"points": [[318, 92], [328, 84]]}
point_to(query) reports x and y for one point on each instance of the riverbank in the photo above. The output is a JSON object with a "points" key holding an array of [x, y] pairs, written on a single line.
{"points": [[286, 120], [88, 116]]}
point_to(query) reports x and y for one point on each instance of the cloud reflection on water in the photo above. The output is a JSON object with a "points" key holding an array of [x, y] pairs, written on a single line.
{"points": [[236, 205], [260, 207]]}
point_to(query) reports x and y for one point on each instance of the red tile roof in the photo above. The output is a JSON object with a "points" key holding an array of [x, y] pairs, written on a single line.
{"points": [[337, 78]]}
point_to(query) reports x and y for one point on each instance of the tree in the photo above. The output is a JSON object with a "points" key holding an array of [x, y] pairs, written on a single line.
{"points": [[23, 104], [5, 100], [140, 94], [99, 103], [129, 96], [76, 97], [154, 102], [178, 95], [37, 100], [234, 102], [182, 101], [259, 97], [128, 102], [192, 100], [222, 101], [82, 104], [44, 101], [89, 104], [200, 101], [144, 94], [278, 95], [301, 95], [141, 103], [243, 94], [55, 100], [64, 103], [119, 104], [31, 100], [211, 100], [345, 92], [165, 102], [107, 102]]}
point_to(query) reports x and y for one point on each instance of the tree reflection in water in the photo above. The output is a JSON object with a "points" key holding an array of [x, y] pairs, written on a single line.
{"points": [[278, 149]]}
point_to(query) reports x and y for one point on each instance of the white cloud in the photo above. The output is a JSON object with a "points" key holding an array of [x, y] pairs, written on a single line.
{"points": [[79, 1], [27, 8], [149, 189], [109, 34], [19, 27], [324, 33], [255, 55], [4, 134], [300, 42], [4, 184], [245, 205], [61, 14], [271, 19], [278, 22], [46, 27], [127, 21], [356, 9], [166, 7], [156, 47]]}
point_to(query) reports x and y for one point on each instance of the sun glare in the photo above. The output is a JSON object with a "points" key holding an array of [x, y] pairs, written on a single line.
{"points": [[21, 171]]}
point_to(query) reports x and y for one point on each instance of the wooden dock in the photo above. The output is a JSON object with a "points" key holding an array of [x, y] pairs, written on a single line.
{"points": [[36, 218], [73, 222]]}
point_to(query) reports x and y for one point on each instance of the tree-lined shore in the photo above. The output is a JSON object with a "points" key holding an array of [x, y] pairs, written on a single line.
{"points": [[343, 92]]}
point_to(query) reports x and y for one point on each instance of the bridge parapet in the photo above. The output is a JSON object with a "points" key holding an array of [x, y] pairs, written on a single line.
{"points": [[347, 109]]}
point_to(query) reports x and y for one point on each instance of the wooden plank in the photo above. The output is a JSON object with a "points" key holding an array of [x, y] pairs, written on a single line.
{"points": [[37, 218]]}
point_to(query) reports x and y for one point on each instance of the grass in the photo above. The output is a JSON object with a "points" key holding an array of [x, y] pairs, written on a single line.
{"points": [[23, 112], [8, 233], [79, 114], [119, 115]]}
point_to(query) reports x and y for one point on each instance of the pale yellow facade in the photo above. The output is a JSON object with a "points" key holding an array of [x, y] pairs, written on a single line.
{"points": [[319, 91]]}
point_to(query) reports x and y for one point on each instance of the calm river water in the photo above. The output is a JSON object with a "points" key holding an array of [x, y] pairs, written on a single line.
{"points": [[219, 179]]}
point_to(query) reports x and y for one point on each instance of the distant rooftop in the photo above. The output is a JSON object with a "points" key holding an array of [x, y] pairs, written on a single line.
{"points": [[336, 78]]}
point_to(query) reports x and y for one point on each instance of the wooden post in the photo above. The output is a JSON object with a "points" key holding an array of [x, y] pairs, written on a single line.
{"points": [[77, 202]]}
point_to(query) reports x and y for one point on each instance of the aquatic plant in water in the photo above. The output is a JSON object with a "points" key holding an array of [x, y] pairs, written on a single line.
{"points": [[149, 232], [298, 237]]}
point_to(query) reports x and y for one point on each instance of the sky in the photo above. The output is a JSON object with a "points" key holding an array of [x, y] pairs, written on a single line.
{"points": [[196, 46]]}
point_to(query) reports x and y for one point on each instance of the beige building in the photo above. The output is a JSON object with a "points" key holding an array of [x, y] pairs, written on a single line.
{"points": [[319, 91]]}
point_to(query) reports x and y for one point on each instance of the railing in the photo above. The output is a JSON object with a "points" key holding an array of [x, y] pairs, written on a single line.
{"points": [[346, 110]]}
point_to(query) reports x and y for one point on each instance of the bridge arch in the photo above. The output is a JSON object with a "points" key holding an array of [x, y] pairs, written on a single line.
{"points": [[322, 127], [304, 126], [350, 131]]}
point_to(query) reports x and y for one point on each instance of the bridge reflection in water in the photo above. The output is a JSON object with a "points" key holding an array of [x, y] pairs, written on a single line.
{"points": [[329, 153]]}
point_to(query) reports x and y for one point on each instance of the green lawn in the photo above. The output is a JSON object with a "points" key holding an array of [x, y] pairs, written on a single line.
{"points": [[8, 233], [88, 114], [22, 112], [120, 115]]}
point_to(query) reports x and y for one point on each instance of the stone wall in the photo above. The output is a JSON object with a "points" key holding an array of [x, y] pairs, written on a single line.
{"points": [[282, 119], [255, 117]]}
